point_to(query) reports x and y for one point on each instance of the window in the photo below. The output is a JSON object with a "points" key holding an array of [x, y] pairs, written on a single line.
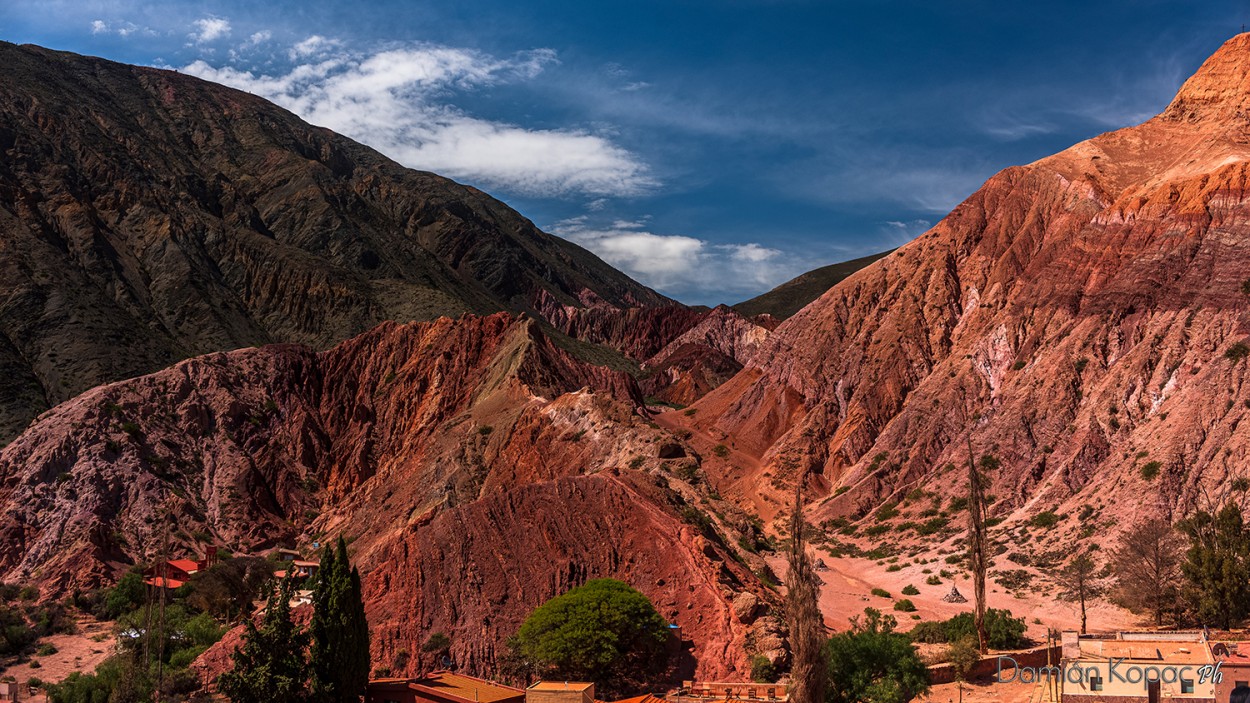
{"points": [[1095, 682], [1187, 686]]}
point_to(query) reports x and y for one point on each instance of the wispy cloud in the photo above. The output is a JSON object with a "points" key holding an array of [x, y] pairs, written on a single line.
{"points": [[683, 266], [121, 29], [209, 29], [401, 101]]}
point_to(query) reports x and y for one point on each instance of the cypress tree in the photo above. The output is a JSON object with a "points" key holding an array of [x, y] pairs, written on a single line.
{"points": [[340, 633], [270, 666]]}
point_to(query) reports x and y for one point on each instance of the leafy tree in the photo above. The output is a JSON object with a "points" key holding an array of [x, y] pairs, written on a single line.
{"points": [[603, 631], [871, 663], [339, 658], [228, 588], [1079, 581], [1147, 568], [129, 593], [1217, 566], [269, 667]]}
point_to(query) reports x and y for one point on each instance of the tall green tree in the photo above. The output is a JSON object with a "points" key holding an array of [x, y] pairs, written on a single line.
{"points": [[1217, 566], [603, 631], [339, 658], [270, 666], [871, 663]]}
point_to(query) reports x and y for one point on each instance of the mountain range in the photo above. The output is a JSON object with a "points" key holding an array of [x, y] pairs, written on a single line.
{"points": [[336, 345]]}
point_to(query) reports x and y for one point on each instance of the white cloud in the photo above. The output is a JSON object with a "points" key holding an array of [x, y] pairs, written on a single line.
{"points": [[399, 102], [209, 29], [121, 29], [314, 45], [685, 267], [260, 37]]}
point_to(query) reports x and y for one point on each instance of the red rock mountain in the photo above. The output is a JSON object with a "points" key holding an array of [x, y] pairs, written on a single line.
{"points": [[149, 216], [478, 468], [1080, 318]]}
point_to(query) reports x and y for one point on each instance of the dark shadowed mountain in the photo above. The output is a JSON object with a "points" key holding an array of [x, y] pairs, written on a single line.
{"points": [[148, 216], [791, 296]]}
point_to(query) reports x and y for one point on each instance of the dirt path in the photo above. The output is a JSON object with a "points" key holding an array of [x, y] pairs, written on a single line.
{"points": [[82, 651]]}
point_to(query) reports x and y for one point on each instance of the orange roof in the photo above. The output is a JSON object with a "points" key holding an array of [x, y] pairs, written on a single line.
{"points": [[161, 582], [188, 565], [647, 698], [464, 688], [298, 562], [560, 686]]}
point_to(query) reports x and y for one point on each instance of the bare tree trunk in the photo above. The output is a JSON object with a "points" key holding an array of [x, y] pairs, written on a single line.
{"points": [[807, 627], [976, 549]]}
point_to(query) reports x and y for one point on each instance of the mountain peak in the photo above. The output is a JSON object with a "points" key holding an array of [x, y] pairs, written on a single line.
{"points": [[1220, 89]]}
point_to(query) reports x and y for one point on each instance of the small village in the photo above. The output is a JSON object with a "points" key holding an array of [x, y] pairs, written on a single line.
{"points": [[1071, 667]]}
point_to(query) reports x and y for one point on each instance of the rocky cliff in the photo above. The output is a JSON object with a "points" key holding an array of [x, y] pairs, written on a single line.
{"points": [[1084, 318], [149, 216]]}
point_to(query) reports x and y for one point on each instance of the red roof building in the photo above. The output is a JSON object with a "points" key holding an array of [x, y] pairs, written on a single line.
{"points": [[441, 687]]}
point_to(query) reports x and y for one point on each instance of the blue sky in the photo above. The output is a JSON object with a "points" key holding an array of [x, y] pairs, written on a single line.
{"points": [[711, 149]]}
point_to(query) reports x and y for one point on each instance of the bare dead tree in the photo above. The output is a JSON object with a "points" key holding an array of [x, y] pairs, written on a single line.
{"points": [[1147, 568], [807, 627], [977, 553]]}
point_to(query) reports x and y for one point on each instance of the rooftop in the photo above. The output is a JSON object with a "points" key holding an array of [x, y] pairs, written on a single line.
{"points": [[458, 687], [560, 686]]}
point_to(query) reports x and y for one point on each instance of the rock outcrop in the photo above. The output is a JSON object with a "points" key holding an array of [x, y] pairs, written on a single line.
{"points": [[149, 216]]}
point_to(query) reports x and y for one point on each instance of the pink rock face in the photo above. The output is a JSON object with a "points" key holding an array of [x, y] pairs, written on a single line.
{"points": [[1078, 317], [477, 468]]}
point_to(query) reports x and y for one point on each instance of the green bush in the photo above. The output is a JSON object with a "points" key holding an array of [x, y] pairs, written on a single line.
{"points": [[871, 662], [763, 670], [1237, 352], [910, 590], [880, 593], [1150, 470], [721, 451], [933, 581], [904, 605], [1046, 520]]}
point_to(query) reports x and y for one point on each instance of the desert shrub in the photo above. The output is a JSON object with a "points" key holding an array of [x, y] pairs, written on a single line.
{"points": [[910, 590], [880, 593], [1150, 470], [1237, 352], [932, 526], [1046, 520], [721, 451], [933, 581], [763, 670], [904, 605], [887, 512]]}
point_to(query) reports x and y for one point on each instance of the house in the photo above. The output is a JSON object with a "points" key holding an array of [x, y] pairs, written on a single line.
{"points": [[1138, 667], [698, 691], [1234, 661], [305, 569], [442, 687], [172, 573], [560, 692], [288, 555]]}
